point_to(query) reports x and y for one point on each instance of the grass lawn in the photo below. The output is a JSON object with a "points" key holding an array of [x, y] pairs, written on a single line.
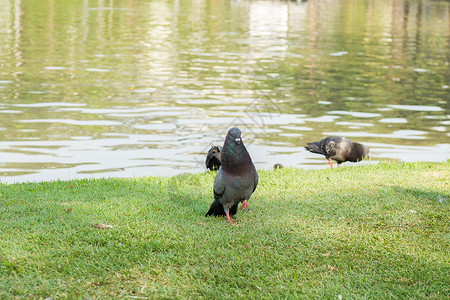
{"points": [[370, 231]]}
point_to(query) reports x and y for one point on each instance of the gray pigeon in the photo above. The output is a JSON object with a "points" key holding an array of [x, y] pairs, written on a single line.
{"points": [[339, 148], [213, 158], [236, 179]]}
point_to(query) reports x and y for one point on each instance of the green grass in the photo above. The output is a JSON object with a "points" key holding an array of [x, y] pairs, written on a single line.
{"points": [[373, 231]]}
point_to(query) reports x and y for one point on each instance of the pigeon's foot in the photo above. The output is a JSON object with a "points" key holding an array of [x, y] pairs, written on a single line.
{"points": [[244, 205], [330, 163], [229, 220]]}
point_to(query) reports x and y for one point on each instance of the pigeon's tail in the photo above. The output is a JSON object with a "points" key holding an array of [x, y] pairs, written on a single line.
{"points": [[314, 148], [216, 209]]}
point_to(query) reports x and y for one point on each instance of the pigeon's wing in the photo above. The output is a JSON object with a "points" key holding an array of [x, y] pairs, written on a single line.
{"points": [[216, 207], [329, 147], [219, 185], [255, 182]]}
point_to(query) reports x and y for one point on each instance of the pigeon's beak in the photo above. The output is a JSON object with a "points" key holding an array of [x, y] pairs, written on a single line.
{"points": [[237, 140]]}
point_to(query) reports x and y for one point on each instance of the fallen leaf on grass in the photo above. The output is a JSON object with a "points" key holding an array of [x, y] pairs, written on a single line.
{"points": [[102, 226], [69, 210]]}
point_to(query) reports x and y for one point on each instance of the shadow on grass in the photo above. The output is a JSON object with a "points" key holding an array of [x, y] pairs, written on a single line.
{"points": [[188, 192], [424, 195]]}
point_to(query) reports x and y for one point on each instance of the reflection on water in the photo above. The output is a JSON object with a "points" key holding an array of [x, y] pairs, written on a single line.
{"points": [[140, 88]]}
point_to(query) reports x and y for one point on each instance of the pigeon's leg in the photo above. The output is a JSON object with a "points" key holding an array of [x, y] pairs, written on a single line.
{"points": [[244, 205], [330, 163], [227, 213], [229, 219]]}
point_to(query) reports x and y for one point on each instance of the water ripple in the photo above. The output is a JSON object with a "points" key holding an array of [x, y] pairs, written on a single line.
{"points": [[416, 107], [74, 122]]}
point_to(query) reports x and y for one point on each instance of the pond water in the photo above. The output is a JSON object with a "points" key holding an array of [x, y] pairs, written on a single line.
{"points": [[101, 88]]}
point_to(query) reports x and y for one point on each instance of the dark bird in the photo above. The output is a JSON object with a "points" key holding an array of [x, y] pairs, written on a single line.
{"points": [[278, 166], [213, 158], [340, 149], [236, 179]]}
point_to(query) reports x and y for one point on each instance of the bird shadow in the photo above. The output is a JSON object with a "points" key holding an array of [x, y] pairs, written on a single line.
{"points": [[187, 192], [421, 194]]}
